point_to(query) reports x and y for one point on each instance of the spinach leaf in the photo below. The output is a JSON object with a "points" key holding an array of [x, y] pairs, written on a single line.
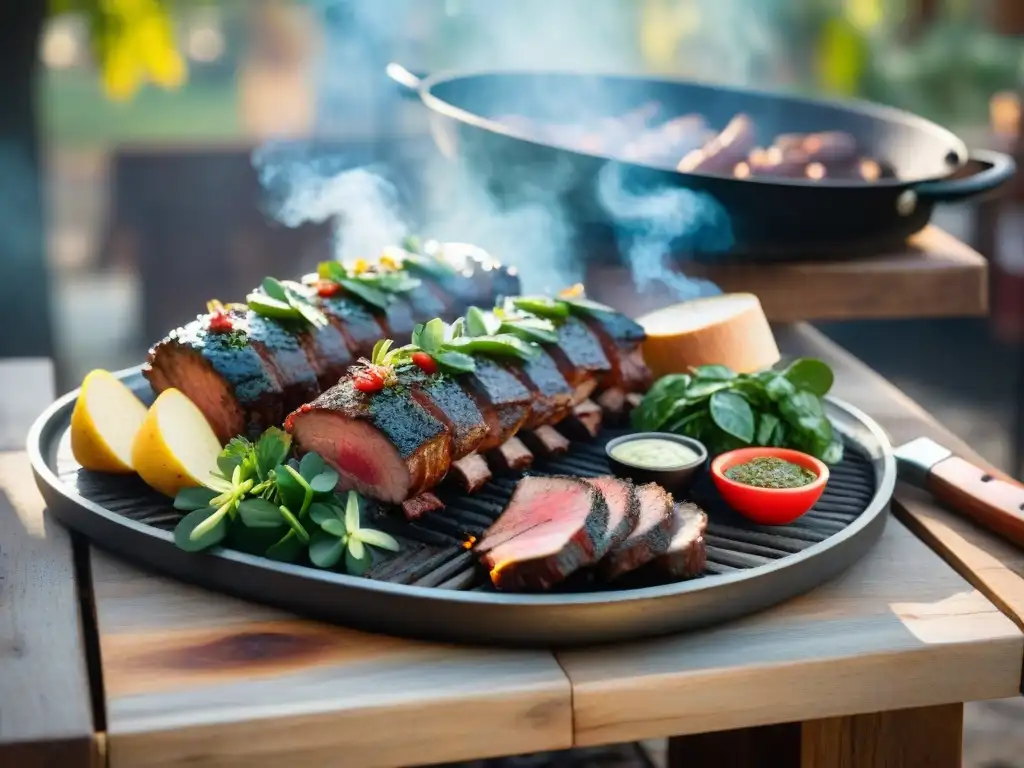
{"points": [[811, 375], [733, 415]]}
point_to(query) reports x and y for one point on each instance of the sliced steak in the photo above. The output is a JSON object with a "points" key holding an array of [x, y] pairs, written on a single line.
{"points": [[649, 539], [385, 445], [356, 322], [580, 358], [503, 399], [623, 509], [551, 528], [552, 395], [621, 339], [687, 551], [472, 472], [449, 403], [281, 347], [224, 374]]}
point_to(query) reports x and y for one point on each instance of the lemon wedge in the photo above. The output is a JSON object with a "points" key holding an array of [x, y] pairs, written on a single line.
{"points": [[175, 448], [104, 422]]}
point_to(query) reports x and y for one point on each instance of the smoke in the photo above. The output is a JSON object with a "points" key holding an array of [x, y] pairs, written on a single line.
{"points": [[536, 234]]}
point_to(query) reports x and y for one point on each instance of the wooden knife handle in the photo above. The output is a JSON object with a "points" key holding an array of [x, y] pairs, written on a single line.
{"points": [[992, 502]]}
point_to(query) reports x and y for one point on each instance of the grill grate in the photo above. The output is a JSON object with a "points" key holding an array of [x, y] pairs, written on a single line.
{"points": [[433, 548]]}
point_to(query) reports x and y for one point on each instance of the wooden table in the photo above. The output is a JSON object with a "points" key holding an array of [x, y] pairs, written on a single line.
{"points": [[871, 669]]}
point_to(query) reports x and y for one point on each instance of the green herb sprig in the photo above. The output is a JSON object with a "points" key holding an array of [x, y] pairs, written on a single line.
{"points": [[726, 410], [376, 287], [341, 534], [453, 346], [281, 301]]}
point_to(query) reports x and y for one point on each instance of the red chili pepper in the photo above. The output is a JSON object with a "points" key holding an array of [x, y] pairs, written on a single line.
{"points": [[327, 288], [425, 362], [368, 380], [220, 322]]}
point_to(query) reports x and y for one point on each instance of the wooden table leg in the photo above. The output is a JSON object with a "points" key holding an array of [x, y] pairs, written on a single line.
{"points": [[905, 738]]}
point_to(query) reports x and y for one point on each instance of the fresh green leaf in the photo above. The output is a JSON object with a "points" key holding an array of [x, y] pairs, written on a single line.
{"points": [[325, 551], [325, 481], [191, 499], [295, 491], [355, 547], [542, 306], [319, 513], [480, 323], [713, 373], [331, 270], [586, 307], [380, 349], [811, 375], [212, 534], [298, 528], [778, 388], [274, 289], [288, 550], [309, 313], [357, 566], [537, 330], [264, 305], [833, 454], [218, 482], [368, 293], [455, 362], [271, 449], [352, 512], [432, 336], [704, 387], [255, 541], [733, 415], [377, 539], [503, 345], [766, 425], [260, 513], [311, 465], [335, 527]]}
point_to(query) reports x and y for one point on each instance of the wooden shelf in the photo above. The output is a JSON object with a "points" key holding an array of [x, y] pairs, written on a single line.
{"points": [[934, 275]]}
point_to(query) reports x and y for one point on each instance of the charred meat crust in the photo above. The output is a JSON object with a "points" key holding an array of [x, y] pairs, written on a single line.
{"points": [[579, 356], [252, 396], [687, 551], [472, 472], [357, 323], [620, 339], [551, 393], [622, 518], [449, 403], [281, 349], [502, 399], [649, 539]]}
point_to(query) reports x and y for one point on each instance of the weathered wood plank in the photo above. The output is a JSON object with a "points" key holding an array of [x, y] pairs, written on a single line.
{"points": [[896, 631], [191, 676], [934, 275], [990, 564], [45, 710]]}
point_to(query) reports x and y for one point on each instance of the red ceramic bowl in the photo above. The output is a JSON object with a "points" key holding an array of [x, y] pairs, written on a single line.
{"points": [[769, 506]]}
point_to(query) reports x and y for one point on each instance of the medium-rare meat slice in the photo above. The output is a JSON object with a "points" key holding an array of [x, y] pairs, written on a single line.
{"points": [[448, 402], [281, 347], [385, 445], [623, 510], [687, 551], [502, 399], [356, 322], [580, 358], [224, 374], [551, 393], [650, 537], [551, 528], [620, 339]]}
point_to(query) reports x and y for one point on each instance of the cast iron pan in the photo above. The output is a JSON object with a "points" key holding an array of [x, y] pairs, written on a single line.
{"points": [[433, 590], [768, 217]]}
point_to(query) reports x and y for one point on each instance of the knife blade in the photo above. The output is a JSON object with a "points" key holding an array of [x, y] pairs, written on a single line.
{"points": [[996, 503]]}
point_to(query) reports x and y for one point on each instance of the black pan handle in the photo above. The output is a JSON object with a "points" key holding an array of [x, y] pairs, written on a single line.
{"points": [[1000, 167], [408, 82]]}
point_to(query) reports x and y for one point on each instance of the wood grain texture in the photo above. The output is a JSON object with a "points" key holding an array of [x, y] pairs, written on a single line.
{"points": [[935, 275], [896, 631], [192, 677], [769, 746], [993, 566], [992, 502], [910, 738], [45, 711]]}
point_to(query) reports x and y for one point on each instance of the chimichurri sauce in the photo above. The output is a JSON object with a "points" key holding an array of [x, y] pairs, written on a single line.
{"points": [[770, 472]]}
